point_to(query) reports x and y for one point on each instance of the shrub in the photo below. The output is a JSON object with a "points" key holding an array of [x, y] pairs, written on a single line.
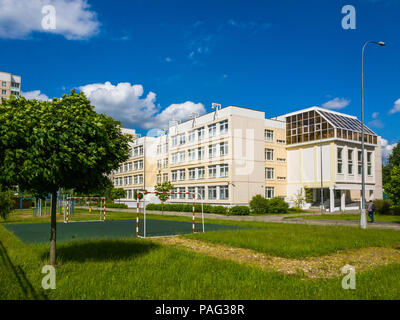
{"points": [[116, 205], [296, 209], [278, 205], [239, 211], [219, 210], [6, 203], [382, 206], [259, 205]]}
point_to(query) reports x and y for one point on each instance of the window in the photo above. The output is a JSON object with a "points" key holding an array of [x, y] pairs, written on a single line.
{"points": [[212, 130], [191, 154], [269, 192], [182, 191], [174, 193], [158, 164], [138, 165], [4, 84], [281, 159], [269, 154], [212, 193], [192, 173], [174, 175], [350, 161], [3, 91], [165, 163], [200, 133], [201, 173], [191, 136], [159, 178], [174, 141], [223, 192], [182, 138], [281, 141], [181, 156], [200, 153], [125, 167], [182, 174], [158, 149], [202, 192], [223, 127], [125, 181], [269, 173], [223, 170], [138, 179], [165, 177], [14, 84], [174, 158], [212, 172], [223, 148], [129, 194], [191, 190], [340, 160], [281, 178], [369, 163], [138, 151], [212, 150], [269, 135], [359, 162]]}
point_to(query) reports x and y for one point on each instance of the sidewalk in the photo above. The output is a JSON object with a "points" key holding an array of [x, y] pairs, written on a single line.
{"points": [[279, 218]]}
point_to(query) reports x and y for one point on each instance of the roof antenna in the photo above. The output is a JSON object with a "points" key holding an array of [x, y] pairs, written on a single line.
{"points": [[217, 107], [193, 116]]}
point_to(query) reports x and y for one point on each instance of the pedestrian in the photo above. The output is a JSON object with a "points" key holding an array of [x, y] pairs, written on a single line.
{"points": [[371, 210]]}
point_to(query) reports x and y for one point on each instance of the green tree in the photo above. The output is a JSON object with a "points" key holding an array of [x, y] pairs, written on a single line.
{"points": [[393, 160], [117, 193], [7, 204], [63, 143], [259, 205], [392, 188], [163, 190]]}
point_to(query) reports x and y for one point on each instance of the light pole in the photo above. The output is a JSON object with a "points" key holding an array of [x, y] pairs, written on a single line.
{"points": [[363, 217]]}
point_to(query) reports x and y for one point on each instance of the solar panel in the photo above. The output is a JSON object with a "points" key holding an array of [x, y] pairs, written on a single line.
{"points": [[345, 122]]}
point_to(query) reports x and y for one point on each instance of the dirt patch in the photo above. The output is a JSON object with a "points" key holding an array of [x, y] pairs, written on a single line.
{"points": [[328, 266]]}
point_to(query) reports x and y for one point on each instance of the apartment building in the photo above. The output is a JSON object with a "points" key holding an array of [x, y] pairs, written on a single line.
{"points": [[9, 84], [227, 156]]}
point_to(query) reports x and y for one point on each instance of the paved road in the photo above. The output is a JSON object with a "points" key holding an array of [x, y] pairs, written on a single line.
{"points": [[280, 218]]}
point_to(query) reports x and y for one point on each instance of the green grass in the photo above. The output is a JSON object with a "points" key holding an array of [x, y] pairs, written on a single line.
{"points": [[355, 217], [137, 269], [298, 241]]}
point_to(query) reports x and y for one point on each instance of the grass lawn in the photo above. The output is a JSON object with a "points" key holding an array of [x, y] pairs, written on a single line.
{"points": [[379, 218], [142, 269]]}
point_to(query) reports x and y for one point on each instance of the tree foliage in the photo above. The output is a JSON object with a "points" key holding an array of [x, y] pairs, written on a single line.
{"points": [[166, 186], [6, 202], [117, 193], [392, 188], [63, 143], [393, 160]]}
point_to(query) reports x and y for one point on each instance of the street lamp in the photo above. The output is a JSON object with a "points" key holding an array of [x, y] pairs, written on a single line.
{"points": [[363, 217]]}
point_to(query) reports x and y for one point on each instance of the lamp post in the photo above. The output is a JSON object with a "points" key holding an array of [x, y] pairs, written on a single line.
{"points": [[363, 217]]}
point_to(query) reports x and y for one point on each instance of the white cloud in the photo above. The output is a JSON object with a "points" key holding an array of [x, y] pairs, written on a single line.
{"points": [[375, 115], [396, 107], [125, 102], [387, 148], [74, 19], [35, 94], [336, 103]]}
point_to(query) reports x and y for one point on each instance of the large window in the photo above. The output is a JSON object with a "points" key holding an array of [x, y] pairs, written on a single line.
{"points": [[174, 175], [200, 153], [369, 163], [359, 158], [182, 138], [182, 174], [202, 192], [212, 172], [165, 177], [223, 127], [223, 170], [200, 133], [192, 136], [269, 173], [191, 190], [212, 150], [192, 173], [269, 192], [201, 172], [223, 148], [182, 191], [223, 192], [340, 160], [350, 161], [269, 135], [192, 154], [174, 141], [212, 193], [212, 130], [269, 154]]}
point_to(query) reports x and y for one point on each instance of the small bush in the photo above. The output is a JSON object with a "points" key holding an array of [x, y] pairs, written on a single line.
{"points": [[239, 211], [259, 205], [382, 206], [219, 210], [6, 203], [296, 209], [278, 205], [116, 205]]}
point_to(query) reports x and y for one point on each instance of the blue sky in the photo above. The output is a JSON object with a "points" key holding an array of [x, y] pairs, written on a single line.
{"points": [[164, 59]]}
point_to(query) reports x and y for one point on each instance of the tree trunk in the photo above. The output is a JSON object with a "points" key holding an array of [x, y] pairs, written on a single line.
{"points": [[53, 228]]}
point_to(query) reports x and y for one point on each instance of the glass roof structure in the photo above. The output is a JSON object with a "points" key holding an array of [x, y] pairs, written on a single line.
{"points": [[316, 124]]}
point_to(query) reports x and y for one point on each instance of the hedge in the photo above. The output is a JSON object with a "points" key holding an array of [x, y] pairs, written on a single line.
{"points": [[239, 211], [261, 205], [183, 207]]}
